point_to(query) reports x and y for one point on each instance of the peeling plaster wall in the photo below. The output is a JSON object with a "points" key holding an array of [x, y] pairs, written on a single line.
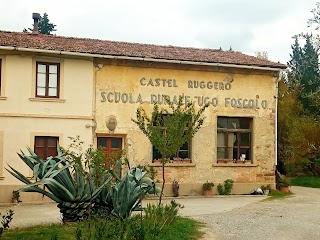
{"points": [[124, 77]]}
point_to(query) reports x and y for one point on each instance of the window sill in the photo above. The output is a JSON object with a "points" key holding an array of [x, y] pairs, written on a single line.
{"points": [[172, 165], [231, 164], [3, 98], [38, 99]]}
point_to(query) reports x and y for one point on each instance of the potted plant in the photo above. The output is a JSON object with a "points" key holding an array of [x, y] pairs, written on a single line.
{"points": [[15, 196], [284, 183], [207, 188]]}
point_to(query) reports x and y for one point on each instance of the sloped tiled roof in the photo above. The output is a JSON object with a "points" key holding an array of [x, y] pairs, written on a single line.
{"points": [[104, 47]]}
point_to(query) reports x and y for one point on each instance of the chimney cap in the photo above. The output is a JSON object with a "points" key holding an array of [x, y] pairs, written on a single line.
{"points": [[36, 16]]}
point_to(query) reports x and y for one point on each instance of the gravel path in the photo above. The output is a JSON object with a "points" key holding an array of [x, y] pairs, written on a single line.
{"points": [[296, 217]]}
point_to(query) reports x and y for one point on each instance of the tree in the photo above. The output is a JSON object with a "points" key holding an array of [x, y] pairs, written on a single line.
{"points": [[310, 76], [304, 72], [295, 64], [45, 26], [168, 129], [289, 108]]}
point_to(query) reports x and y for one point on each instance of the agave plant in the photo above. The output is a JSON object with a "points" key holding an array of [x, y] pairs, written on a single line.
{"points": [[70, 187], [128, 192]]}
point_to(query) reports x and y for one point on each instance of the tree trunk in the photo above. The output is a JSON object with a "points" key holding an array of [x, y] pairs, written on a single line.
{"points": [[313, 167], [163, 181]]}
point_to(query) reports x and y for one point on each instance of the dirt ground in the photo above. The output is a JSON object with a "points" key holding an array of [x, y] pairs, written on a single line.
{"points": [[295, 217]]}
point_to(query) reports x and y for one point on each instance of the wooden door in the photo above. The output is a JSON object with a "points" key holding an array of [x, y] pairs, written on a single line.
{"points": [[112, 147]]}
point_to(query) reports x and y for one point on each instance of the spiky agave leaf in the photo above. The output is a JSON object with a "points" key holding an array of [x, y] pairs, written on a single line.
{"points": [[56, 188], [42, 191], [18, 175]]}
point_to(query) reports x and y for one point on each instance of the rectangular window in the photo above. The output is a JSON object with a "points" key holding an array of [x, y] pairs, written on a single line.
{"points": [[48, 80], [234, 139], [45, 146], [110, 144], [182, 154]]}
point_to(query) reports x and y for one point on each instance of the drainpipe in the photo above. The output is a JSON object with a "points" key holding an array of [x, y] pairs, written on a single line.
{"points": [[276, 120], [98, 67]]}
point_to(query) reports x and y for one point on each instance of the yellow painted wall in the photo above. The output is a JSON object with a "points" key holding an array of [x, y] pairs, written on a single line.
{"points": [[247, 84], [19, 81], [22, 116]]}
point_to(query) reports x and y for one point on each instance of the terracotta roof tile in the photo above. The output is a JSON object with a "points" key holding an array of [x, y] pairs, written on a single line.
{"points": [[104, 47]]}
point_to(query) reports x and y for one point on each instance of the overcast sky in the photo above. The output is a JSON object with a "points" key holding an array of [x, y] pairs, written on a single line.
{"points": [[245, 25]]}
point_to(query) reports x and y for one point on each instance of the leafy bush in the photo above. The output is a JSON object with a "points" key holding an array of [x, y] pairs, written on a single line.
{"points": [[158, 216], [226, 189], [6, 219], [207, 185], [283, 181]]}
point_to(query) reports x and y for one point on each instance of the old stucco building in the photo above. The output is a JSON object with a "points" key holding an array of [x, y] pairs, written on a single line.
{"points": [[55, 87]]}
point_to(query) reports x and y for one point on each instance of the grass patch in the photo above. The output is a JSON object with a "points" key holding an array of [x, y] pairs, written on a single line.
{"points": [[275, 194], [306, 181], [181, 228]]}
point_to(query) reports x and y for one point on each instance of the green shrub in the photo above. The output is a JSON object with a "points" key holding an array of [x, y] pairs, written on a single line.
{"points": [[226, 189], [306, 181], [284, 182], [6, 219], [207, 185], [158, 216]]}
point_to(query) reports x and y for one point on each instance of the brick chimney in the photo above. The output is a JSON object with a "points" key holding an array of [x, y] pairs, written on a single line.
{"points": [[36, 17]]}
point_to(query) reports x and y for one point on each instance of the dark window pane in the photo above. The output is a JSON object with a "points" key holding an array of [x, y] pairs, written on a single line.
{"points": [[245, 139], [245, 123], [183, 154], [115, 143], [102, 142], [222, 122], [155, 153], [185, 146], [233, 123]]}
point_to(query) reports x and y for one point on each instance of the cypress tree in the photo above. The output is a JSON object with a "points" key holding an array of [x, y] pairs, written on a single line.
{"points": [[310, 77], [295, 64]]}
